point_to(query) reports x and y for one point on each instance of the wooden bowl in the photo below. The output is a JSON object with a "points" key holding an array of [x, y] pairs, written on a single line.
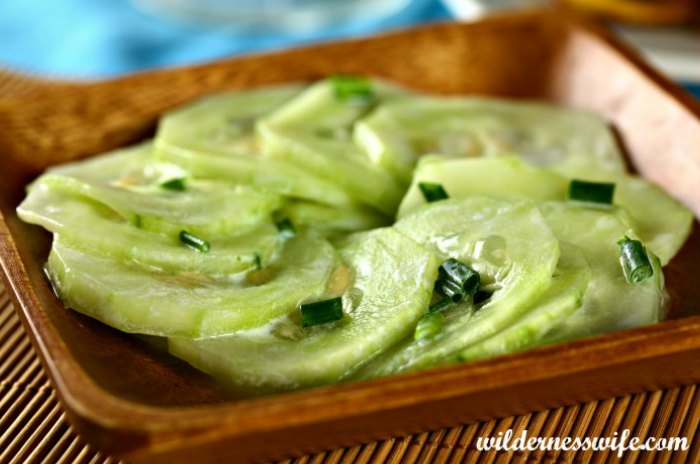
{"points": [[130, 399]]}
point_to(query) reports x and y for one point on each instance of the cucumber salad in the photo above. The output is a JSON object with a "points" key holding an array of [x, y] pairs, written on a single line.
{"points": [[304, 235]]}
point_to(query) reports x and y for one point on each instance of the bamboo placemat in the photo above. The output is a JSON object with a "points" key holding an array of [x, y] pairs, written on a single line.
{"points": [[33, 428]]}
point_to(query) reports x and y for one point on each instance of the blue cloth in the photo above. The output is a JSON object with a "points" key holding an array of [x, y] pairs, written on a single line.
{"points": [[694, 89], [98, 38]]}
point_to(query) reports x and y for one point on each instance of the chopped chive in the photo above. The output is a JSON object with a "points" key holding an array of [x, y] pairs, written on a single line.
{"points": [[452, 290], [286, 229], [432, 192], [465, 277], [353, 89], [635, 261], [337, 133], [440, 305], [591, 192], [176, 184], [325, 133], [138, 221], [194, 242], [428, 326], [258, 260], [241, 125], [321, 312], [480, 296]]}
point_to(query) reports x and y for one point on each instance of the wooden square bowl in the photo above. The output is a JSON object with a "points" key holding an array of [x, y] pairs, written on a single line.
{"points": [[130, 399]]}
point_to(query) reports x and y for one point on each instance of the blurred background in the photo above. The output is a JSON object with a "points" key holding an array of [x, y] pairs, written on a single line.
{"points": [[87, 39]]}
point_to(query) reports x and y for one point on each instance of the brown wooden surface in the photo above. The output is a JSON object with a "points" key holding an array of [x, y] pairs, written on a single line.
{"points": [[125, 397], [34, 428]]}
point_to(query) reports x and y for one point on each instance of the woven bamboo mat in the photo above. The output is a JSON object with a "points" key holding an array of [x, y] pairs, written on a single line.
{"points": [[33, 427]]}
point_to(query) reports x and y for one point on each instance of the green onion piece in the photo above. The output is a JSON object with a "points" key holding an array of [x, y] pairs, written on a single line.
{"points": [[440, 305], [432, 192], [465, 277], [258, 260], [138, 221], [591, 192], [336, 133], [635, 261], [452, 290], [194, 242], [481, 296], [428, 326], [176, 184], [286, 229], [354, 89], [321, 312]]}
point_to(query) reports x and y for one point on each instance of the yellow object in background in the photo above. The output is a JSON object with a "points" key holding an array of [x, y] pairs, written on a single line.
{"points": [[641, 11]]}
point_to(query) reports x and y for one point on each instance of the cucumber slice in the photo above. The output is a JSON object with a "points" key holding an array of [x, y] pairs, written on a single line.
{"points": [[505, 177], [222, 124], [561, 138], [382, 306], [128, 181], [210, 209], [264, 174], [188, 304], [563, 297], [610, 302], [380, 136], [512, 248], [343, 120], [90, 226], [661, 222], [133, 165], [214, 138], [334, 160], [596, 230], [320, 108], [313, 131], [331, 219]]}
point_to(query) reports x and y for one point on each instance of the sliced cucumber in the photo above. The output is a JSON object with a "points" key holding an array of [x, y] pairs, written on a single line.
{"points": [[313, 131], [543, 135], [320, 108], [336, 161], [128, 166], [380, 136], [512, 248], [563, 297], [214, 138], [264, 174], [345, 119], [129, 182], [595, 230], [610, 303], [504, 177], [103, 232], [189, 304], [336, 157], [221, 124], [332, 219], [382, 306], [210, 209], [661, 222]]}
